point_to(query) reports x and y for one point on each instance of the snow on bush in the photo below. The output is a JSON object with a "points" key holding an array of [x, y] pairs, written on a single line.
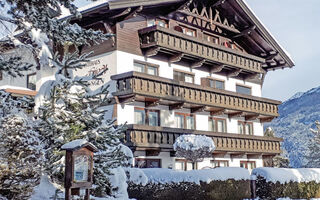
{"points": [[284, 175], [164, 176], [194, 143], [194, 147]]}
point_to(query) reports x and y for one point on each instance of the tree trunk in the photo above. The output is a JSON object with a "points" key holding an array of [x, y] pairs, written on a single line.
{"points": [[193, 165]]}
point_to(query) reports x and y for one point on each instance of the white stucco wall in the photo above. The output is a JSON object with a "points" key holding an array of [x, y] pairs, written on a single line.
{"points": [[125, 64]]}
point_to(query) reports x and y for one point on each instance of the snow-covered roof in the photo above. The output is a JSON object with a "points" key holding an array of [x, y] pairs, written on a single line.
{"points": [[77, 144], [161, 175], [284, 175], [18, 90]]}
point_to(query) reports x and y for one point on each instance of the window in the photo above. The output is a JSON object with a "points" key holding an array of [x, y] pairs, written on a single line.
{"points": [[145, 68], [1, 75], [146, 117], [147, 163], [245, 128], [183, 76], [183, 120], [183, 165], [185, 30], [216, 84], [250, 165], [139, 116], [31, 81], [243, 89], [219, 163], [159, 22], [212, 39], [217, 125]]}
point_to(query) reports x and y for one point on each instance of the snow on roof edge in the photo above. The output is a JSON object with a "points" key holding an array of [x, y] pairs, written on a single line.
{"points": [[267, 30], [83, 9]]}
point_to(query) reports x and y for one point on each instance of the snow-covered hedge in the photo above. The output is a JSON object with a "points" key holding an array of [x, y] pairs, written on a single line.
{"points": [[219, 183], [275, 183], [164, 176]]}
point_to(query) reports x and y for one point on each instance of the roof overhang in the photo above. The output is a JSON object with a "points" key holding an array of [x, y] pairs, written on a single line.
{"points": [[261, 41]]}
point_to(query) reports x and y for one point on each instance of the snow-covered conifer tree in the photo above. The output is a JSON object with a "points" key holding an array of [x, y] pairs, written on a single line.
{"points": [[194, 147], [71, 110], [20, 149], [313, 154]]}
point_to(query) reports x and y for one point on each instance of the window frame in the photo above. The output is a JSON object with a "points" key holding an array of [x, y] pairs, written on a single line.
{"points": [[246, 162], [185, 115], [146, 65], [219, 163], [211, 36], [156, 22], [146, 111], [216, 79], [244, 86], [216, 124], [186, 28], [244, 123], [184, 72], [147, 163], [185, 161], [28, 81]]}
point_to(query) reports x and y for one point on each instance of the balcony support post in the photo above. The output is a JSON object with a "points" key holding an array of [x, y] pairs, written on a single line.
{"points": [[218, 112], [176, 106], [217, 69], [198, 64], [152, 51], [236, 114], [234, 73], [176, 58], [252, 117], [198, 109], [149, 104]]}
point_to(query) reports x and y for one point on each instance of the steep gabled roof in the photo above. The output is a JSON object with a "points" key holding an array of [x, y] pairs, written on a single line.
{"points": [[259, 42]]}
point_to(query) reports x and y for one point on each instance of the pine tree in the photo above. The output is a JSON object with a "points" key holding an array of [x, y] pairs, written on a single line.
{"points": [[70, 111], [313, 154], [35, 25], [20, 150]]}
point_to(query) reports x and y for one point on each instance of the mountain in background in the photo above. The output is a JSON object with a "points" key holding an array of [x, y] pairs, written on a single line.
{"points": [[297, 116]]}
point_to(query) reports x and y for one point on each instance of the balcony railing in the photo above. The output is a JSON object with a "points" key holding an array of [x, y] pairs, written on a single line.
{"points": [[146, 137], [169, 91], [175, 41]]}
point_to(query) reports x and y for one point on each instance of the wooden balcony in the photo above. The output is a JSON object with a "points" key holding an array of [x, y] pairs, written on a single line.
{"points": [[149, 138], [154, 90], [178, 45]]}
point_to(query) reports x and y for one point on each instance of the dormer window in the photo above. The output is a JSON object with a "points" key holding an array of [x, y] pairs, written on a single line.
{"points": [[211, 39], [160, 22], [31, 81]]}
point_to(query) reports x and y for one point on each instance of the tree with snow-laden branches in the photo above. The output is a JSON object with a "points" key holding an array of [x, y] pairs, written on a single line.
{"points": [[194, 147], [70, 110], [313, 153], [35, 25], [20, 149]]}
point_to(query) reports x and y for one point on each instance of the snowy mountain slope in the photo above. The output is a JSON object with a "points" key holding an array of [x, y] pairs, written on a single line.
{"points": [[297, 116]]}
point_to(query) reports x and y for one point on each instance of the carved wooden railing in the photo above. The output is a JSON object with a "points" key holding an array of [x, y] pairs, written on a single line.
{"points": [[163, 137], [135, 83], [195, 47]]}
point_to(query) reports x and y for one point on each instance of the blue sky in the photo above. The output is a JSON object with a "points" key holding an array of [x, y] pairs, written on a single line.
{"points": [[294, 23]]}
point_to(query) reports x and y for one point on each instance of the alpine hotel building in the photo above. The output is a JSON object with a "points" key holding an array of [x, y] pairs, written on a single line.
{"points": [[183, 67]]}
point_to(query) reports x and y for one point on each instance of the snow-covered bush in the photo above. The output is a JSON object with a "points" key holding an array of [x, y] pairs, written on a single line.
{"points": [[280, 162], [273, 183], [20, 156], [209, 184], [194, 147]]}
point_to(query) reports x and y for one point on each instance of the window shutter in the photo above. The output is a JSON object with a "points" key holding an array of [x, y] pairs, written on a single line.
{"points": [[205, 82]]}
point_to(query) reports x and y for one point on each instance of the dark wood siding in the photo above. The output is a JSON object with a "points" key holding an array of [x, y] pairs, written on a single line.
{"points": [[127, 35]]}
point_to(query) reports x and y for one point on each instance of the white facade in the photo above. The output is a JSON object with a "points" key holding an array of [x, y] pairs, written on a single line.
{"points": [[119, 62]]}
